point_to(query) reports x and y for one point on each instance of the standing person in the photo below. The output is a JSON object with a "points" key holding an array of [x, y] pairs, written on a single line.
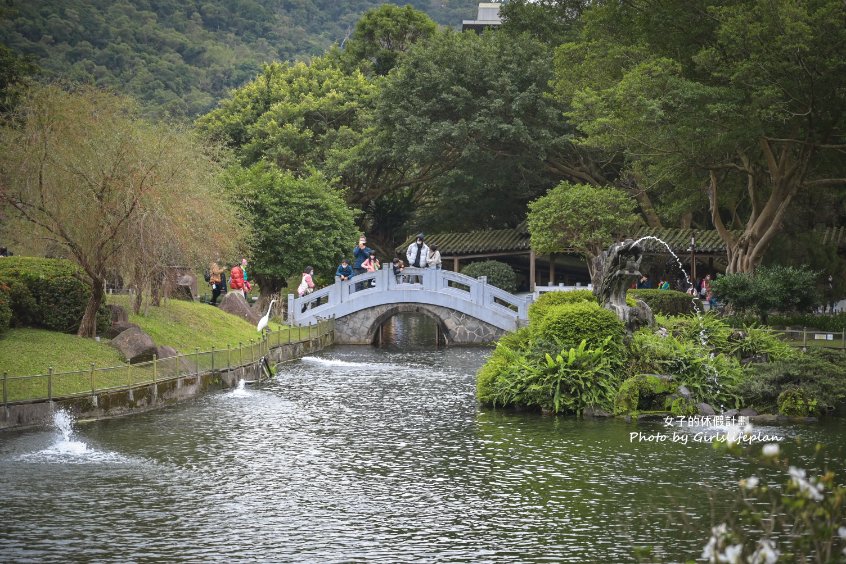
{"points": [[705, 290], [247, 286], [216, 281], [372, 264], [434, 258], [418, 253], [361, 253], [398, 268], [236, 280], [306, 286], [644, 282], [345, 271]]}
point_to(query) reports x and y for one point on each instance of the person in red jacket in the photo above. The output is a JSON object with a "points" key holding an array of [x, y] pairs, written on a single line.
{"points": [[236, 280]]}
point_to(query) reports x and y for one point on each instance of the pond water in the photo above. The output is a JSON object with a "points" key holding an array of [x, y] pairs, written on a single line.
{"points": [[358, 454]]}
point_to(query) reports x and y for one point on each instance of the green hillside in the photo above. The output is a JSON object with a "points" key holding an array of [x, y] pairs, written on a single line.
{"points": [[180, 57]]}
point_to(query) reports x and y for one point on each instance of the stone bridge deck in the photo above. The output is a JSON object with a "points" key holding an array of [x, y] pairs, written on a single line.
{"points": [[467, 310]]}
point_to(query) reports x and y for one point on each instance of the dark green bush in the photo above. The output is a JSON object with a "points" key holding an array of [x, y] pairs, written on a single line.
{"points": [[541, 306], [769, 289], [834, 323], [797, 402], [566, 325], [24, 307], [499, 274], [665, 302], [820, 374], [48, 293], [5, 310]]}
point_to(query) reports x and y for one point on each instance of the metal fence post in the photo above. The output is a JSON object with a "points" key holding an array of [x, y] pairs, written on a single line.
{"points": [[212, 368], [804, 337], [129, 374], [93, 388], [240, 353], [50, 383], [843, 339], [155, 368], [228, 357], [197, 359], [5, 389]]}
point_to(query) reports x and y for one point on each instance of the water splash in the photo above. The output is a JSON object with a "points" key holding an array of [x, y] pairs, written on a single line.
{"points": [[703, 336], [65, 448], [241, 391]]}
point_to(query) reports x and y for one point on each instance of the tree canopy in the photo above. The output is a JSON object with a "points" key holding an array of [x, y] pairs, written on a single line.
{"points": [[580, 218], [82, 171], [740, 103]]}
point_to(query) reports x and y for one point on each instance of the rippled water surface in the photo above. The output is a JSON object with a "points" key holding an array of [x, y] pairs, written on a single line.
{"points": [[359, 454]]}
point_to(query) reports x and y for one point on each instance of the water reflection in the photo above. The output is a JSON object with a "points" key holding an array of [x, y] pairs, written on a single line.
{"points": [[408, 330], [369, 454]]}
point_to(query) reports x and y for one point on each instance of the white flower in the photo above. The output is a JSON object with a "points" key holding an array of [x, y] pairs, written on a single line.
{"points": [[749, 483], [770, 449], [709, 553], [766, 553], [809, 489], [841, 532], [733, 554]]}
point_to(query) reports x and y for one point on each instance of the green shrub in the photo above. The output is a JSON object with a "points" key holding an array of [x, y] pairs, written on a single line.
{"points": [[567, 382], [797, 402], [541, 306], [710, 378], [665, 302], [48, 293], [760, 341], [509, 350], [568, 324], [706, 330], [820, 374], [833, 323], [499, 274], [774, 288], [24, 307], [5, 310], [642, 392]]}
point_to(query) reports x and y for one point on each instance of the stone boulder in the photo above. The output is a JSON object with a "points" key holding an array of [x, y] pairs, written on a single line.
{"points": [[117, 328], [165, 352], [118, 314], [236, 305], [135, 345], [705, 409], [747, 412]]}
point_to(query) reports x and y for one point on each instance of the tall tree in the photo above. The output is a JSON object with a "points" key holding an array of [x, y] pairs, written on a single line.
{"points": [[297, 221], [80, 169], [580, 218], [383, 34], [741, 100]]}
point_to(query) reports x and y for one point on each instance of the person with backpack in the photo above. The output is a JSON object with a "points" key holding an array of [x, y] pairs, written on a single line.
{"points": [[216, 281], [306, 285], [236, 280]]}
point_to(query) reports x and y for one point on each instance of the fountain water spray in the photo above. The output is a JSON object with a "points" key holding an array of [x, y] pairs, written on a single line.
{"points": [[703, 337]]}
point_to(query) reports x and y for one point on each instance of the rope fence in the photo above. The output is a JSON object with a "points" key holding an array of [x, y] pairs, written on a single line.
{"points": [[60, 385]]}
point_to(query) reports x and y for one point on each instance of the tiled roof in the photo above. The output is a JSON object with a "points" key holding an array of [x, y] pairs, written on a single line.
{"points": [[707, 242], [517, 240], [476, 242]]}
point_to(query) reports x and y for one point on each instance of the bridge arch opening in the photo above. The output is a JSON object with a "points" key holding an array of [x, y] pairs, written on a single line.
{"points": [[408, 327]]}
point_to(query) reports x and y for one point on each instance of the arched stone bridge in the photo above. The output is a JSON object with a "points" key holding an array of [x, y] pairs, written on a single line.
{"points": [[467, 310]]}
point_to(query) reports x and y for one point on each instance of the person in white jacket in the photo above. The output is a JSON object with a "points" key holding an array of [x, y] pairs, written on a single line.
{"points": [[434, 258], [417, 255]]}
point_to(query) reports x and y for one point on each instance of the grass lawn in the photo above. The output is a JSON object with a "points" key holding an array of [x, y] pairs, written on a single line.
{"points": [[189, 325], [185, 326], [28, 351]]}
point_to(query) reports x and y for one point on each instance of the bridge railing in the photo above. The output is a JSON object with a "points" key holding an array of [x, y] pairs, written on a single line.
{"points": [[321, 303]]}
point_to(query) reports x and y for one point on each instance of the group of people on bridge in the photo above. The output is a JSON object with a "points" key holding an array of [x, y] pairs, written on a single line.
{"points": [[418, 255]]}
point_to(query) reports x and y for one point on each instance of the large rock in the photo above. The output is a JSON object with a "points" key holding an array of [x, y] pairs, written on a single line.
{"points": [[135, 345], [117, 328], [705, 409], [235, 304], [118, 314]]}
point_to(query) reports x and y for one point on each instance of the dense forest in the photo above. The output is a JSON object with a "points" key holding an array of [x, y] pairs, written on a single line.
{"points": [[179, 57]]}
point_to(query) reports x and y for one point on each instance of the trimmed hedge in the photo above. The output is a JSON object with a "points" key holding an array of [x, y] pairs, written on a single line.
{"points": [[833, 323], [47, 293], [5, 310], [665, 302], [499, 274], [567, 325], [539, 309]]}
